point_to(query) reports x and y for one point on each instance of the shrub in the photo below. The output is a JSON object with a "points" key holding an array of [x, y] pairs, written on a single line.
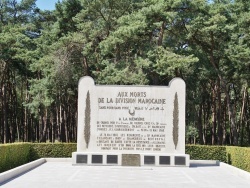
{"points": [[236, 156], [13, 155], [46, 150], [203, 152], [239, 157]]}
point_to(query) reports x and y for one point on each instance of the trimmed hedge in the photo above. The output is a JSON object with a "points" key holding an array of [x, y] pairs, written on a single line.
{"points": [[239, 157], [204, 152], [44, 150], [13, 155], [233, 155]]}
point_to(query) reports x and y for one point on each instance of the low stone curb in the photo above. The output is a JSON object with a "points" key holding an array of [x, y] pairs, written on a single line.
{"points": [[236, 171], [59, 160], [199, 163], [5, 176]]}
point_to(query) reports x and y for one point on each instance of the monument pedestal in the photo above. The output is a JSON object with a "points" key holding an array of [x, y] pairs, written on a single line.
{"points": [[118, 159]]}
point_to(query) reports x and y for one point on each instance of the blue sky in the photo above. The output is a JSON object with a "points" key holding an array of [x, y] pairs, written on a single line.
{"points": [[46, 4]]}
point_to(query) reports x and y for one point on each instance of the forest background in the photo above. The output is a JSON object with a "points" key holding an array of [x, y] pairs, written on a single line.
{"points": [[144, 42]]}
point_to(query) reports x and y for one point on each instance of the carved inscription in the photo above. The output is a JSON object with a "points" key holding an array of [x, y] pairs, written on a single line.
{"points": [[133, 131], [137, 135]]}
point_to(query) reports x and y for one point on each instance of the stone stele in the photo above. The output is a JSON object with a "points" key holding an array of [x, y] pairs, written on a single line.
{"points": [[131, 125]]}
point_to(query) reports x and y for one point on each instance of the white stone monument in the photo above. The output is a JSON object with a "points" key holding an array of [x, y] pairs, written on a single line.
{"points": [[131, 125]]}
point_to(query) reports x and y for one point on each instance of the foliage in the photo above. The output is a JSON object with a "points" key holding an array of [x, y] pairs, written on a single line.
{"points": [[47, 150], [191, 134], [13, 155], [204, 152], [235, 156], [238, 157]]}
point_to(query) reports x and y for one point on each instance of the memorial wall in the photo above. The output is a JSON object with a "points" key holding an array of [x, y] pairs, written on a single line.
{"points": [[131, 119]]}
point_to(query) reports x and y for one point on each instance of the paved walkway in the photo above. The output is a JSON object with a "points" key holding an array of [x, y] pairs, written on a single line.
{"points": [[63, 174]]}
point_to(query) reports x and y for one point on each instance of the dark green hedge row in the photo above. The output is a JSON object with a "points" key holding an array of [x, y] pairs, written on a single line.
{"points": [[202, 152], [236, 156], [13, 155], [52, 150], [239, 157]]}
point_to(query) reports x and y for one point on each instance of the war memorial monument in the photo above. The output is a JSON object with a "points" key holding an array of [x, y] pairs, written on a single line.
{"points": [[131, 125]]}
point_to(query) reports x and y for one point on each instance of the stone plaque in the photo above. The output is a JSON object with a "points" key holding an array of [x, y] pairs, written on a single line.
{"points": [[149, 160], [180, 160], [164, 160], [82, 159], [131, 119], [131, 160], [96, 159], [112, 159]]}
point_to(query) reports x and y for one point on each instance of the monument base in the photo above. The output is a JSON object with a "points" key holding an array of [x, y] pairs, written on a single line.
{"points": [[140, 159]]}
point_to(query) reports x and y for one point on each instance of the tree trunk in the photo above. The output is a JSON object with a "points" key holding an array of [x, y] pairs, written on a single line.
{"points": [[86, 67], [247, 120], [2, 115], [160, 39], [241, 126], [231, 113], [225, 123], [5, 116], [57, 123], [44, 129], [200, 126], [219, 123], [66, 125], [214, 120]]}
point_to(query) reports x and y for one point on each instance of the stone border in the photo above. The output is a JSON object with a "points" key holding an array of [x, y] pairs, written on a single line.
{"points": [[201, 163], [58, 160], [5, 176], [236, 171]]}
